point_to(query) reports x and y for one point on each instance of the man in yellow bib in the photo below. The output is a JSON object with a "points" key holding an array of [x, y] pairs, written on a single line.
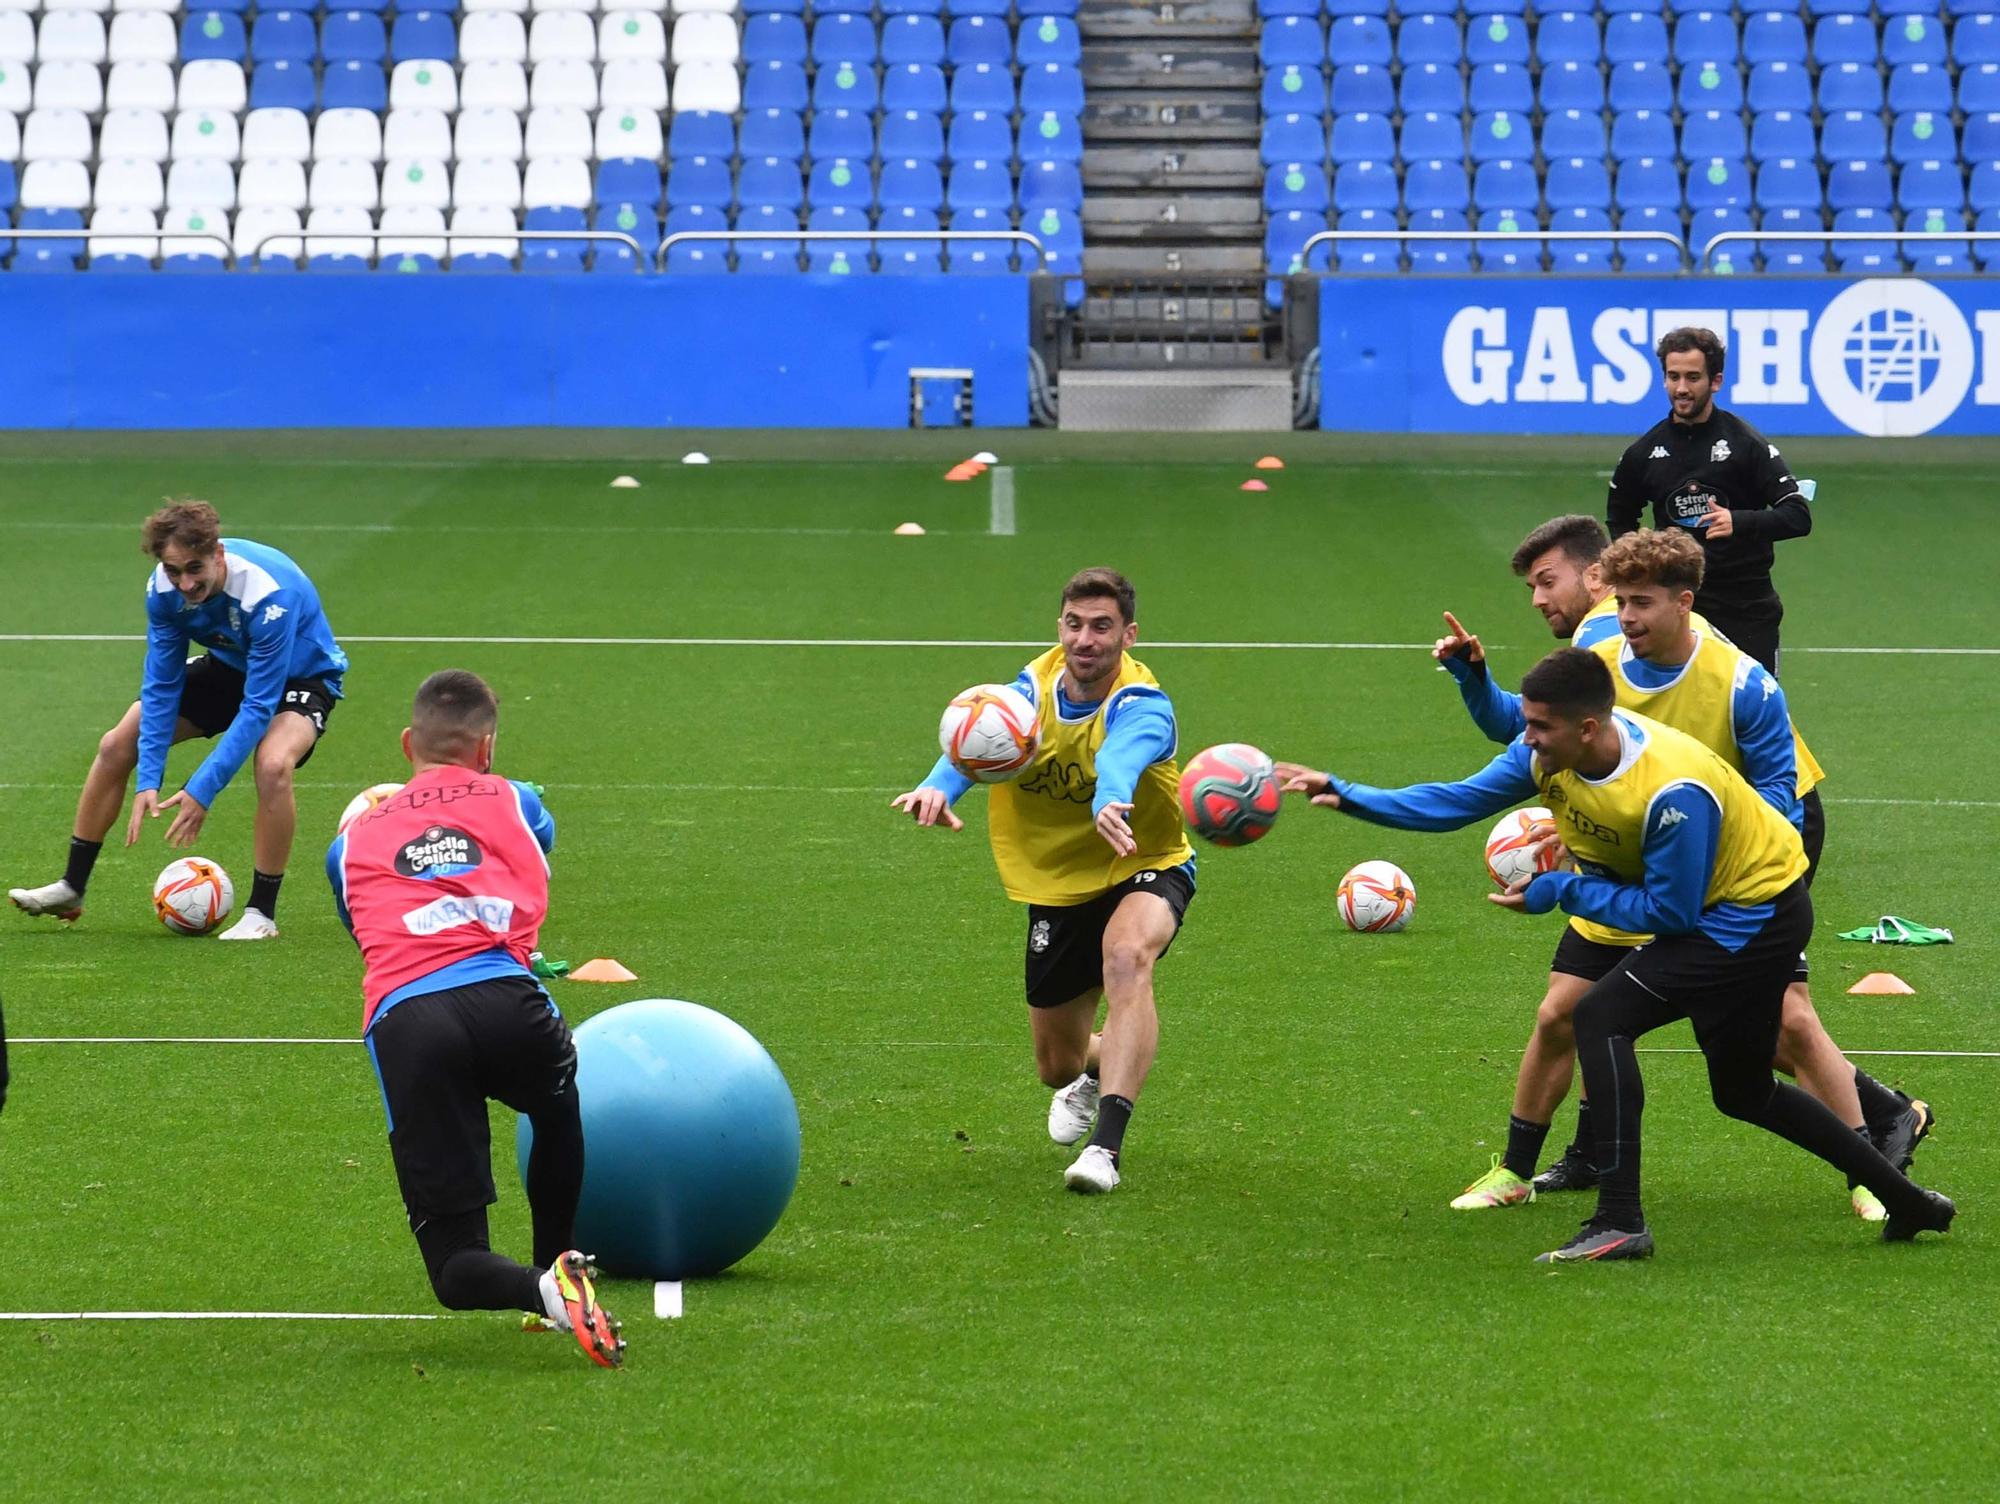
{"points": [[1089, 837], [1662, 837]]}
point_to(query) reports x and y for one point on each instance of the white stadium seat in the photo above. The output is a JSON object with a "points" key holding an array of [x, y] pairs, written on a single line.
{"points": [[98, 7], [129, 183], [254, 224], [629, 84], [272, 183], [562, 34], [16, 88], [206, 222], [53, 183], [410, 223], [330, 232], [705, 38], [201, 180], [558, 131], [708, 86], [277, 133], [724, 7], [348, 133], [60, 135], [207, 134], [70, 36], [483, 218], [125, 232], [487, 133], [69, 86], [213, 84], [513, 7], [495, 85], [629, 133], [557, 183], [588, 7], [492, 36], [487, 182], [132, 133], [17, 37], [416, 133], [165, 7], [636, 34], [423, 84], [145, 37], [423, 182], [563, 80], [140, 86], [343, 183]]}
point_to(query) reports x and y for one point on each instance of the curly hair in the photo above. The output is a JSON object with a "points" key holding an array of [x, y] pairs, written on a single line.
{"points": [[190, 523], [1667, 557], [1689, 338]]}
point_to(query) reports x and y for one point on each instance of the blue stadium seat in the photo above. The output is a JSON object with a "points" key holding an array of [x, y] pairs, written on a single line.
{"points": [[1705, 224], [914, 39], [1930, 257], [1711, 86], [1817, 9], [1358, 138], [697, 256], [1366, 185], [630, 180], [1573, 133], [1572, 86], [1051, 39], [1051, 86], [1058, 183], [1718, 182], [1366, 255], [916, 8], [842, 181], [1359, 39], [839, 257], [1359, 88], [1860, 254], [1976, 40], [1788, 183], [700, 180], [1046, 8], [986, 86], [1501, 86], [1650, 255], [1850, 86], [1979, 88], [1774, 36], [911, 133], [770, 180], [550, 255], [1497, 39], [1779, 86], [1269, 8], [50, 255], [981, 257], [1782, 133], [290, 35], [1858, 185], [914, 86], [1705, 36], [1291, 40], [211, 34], [1295, 185], [1285, 236], [1440, 257], [1908, 8], [1647, 182], [1634, 37], [1050, 138], [1577, 183], [284, 85], [1921, 136], [842, 37], [775, 86], [1568, 36], [1915, 39], [910, 183], [774, 39], [353, 85], [1850, 135], [1502, 256], [1293, 90], [1642, 133], [1434, 135], [1930, 185], [1436, 184], [1581, 255], [1987, 252], [1498, 185], [767, 257], [1430, 87], [1501, 137], [765, 133], [980, 184], [422, 33], [841, 133], [1429, 39], [10, 191], [353, 36], [1843, 39], [1293, 138], [981, 134], [909, 256], [846, 86], [1641, 86], [1713, 133], [1408, 8], [640, 221], [1982, 137], [1498, 7], [1062, 238], [1919, 86]]}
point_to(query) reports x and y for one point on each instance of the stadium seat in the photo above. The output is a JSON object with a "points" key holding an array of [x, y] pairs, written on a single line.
{"points": [[1577, 183], [1919, 39], [1293, 138], [130, 183], [1437, 257], [764, 133], [129, 240], [1051, 87], [1858, 185], [198, 180], [1932, 257], [1647, 182], [1355, 138], [778, 86], [1635, 37], [638, 36], [1285, 236], [628, 133], [486, 133], [1287, 41], [1975, 41], [1920, 86], [1293, 185], [50, 255], [495, 182], [554, 255], [1860, 254], [981, 184], [985, 86], [908, 256], [697, 256], [978, 134], [632, 84], [844, 86], [1360, 88], [980, 39], [1922, 136], [910, 183], [709, 86], [353, 37], [774, 38], [628, 180], [1497, 39], [841, 181], [767, 133], [699, 180], [1572, 86], [1817, 9], [416, 182], [1366, 185], [492, 36], [1508, 184], [1429, 39], [1440, 184], [1781, 133], [914, 86], [1843, 39], [1431, 135], [1049, 39], [566, 34], [839, 257], [206, 133], [1573, 133], [1705, 36], [272, 183], [1930, 185], [1364, 255], [1779, 86], [1642, 133], [1502, 256], [1501, 137], [275, 85], [1635, 255], [1713, 133], [1501, 87], [1568, 36], [1357, 39], [355, 134], [1296, 90], [1850, 135], [213, 84], [1050, 138], [1641, 86], [356, 85], [1850, 86], [841, 133], [1710, 86], [914, 133], [556, 182], [1788, 183], [918, 39], [57, 135], [421, 35], [1718, 182], [76, 36], [427, 133], [1581, 255], [1982, 137], [1792, 256], [1987, 252], [485, 255], [336, 238], [1774, 36], [281, 35], [140, 134], [1430, 87]]}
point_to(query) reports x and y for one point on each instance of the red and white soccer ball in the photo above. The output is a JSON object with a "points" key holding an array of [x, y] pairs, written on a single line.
{"points": [[1510, 846], [193, 896], [990, 732], [1229, 794], [1376, 898], [366, 800]]}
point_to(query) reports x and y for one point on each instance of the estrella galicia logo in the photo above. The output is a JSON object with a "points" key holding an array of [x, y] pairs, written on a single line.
{"points": [[1687, 506], [441, 851]]}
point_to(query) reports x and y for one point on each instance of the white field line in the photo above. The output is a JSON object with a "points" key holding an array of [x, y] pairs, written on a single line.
{"points": [[211, 1316], [1000, 510], [667, 1299]]}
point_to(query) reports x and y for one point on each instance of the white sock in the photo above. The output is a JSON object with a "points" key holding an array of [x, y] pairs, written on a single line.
{"points": [[552, 1301]]}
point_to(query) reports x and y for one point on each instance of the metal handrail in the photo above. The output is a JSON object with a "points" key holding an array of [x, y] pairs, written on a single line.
{"points": [[678, 236], [378, 236], [1826, 236], [1331, 236], [86, 235]]}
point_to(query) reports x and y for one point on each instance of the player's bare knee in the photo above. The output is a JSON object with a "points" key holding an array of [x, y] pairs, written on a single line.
{"points": [[1127, 964], [118, 749], [1555, 1022], [1057, 1066], [274, 771]]}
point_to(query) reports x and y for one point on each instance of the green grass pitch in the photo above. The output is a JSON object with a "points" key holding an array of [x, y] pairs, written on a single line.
{"points": [[1277, 1304]]}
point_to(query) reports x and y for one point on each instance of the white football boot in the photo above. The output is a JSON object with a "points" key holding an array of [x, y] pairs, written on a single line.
{"points": [[252, 926], [1073, 1110], [1094, 1172], [57, 898]]}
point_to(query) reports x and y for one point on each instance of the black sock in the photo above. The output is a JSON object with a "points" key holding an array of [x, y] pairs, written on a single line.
{"points": [[1113, 1113], [264, 893], [1584, 1145], [1090, 1071], [82, 857], [1524, 1146], [1879, 1105]]}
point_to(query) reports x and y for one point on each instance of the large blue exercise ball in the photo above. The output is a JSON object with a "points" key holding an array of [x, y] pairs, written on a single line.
{"points": [[690, 1140]]}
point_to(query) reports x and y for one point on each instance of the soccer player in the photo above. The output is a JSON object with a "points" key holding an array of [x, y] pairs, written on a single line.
{"points": [[444, 887], [1665, 839], [1089, 837], [266, 686], [1708, 471]]}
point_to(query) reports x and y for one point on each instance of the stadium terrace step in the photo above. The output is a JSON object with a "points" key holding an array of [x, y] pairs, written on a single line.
{"points": [[1157, 312], [1142, 260], [1169, 65], [1120, 20], [1170, 216], [1191, 119], [1237, 167], [1173, 354], [1176, 400]]}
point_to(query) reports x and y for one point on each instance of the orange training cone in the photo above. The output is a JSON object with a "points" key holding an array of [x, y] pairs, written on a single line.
{"points": [[602, 970], [960, 472], [1253, 485], [1270, 462], [1882, 984]]}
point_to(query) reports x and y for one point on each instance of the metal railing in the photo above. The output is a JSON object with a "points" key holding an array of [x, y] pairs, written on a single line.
{"points": [[1827, 237], [228, 254], [680, 237], [378, 236], [1330, 237]]}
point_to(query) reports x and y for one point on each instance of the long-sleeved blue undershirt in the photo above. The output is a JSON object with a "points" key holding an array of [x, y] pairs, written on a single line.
{"points": [[1497, 711]]}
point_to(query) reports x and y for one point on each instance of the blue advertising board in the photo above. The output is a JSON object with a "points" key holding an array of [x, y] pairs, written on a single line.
{"points": [[1889, 357]]}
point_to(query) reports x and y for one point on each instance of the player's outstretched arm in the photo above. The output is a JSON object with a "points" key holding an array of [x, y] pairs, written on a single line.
{"points": [[928, 806], [1501, 784], [1494, 710]]}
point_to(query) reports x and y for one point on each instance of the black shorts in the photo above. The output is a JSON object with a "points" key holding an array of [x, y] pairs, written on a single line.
{"points": [[1066, 942], [1751, 625], [1812, 831], [1589, 959], [212, 693], [438, 1058]]}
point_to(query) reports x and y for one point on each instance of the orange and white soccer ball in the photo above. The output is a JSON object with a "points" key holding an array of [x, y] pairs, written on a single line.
{"points": [[366, 800], [990, 732], [1376, 898], [193, 896], [1510, 846]]}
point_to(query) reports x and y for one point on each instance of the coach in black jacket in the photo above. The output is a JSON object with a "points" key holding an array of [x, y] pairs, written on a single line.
{"points": [[1710, 472]]}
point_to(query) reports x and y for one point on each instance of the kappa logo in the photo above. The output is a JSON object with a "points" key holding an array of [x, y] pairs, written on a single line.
{"points": [[235, 620], [1038, 936], [1770, 684], [1720, 452], [1659, 452], [1669, 817], [271, 613]]}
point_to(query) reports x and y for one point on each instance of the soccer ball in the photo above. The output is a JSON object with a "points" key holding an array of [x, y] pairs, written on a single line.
{"points": [[1376, 898], [366, 800], [990, 732], [1229, 794], [1510, 854], [193, 896]]}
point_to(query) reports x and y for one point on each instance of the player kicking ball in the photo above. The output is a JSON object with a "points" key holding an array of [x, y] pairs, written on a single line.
{"points": [[266, 686], [1089, 837]]}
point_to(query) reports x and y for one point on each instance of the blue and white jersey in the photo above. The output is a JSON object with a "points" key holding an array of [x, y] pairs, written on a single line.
{"points": [[265, 622]]}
